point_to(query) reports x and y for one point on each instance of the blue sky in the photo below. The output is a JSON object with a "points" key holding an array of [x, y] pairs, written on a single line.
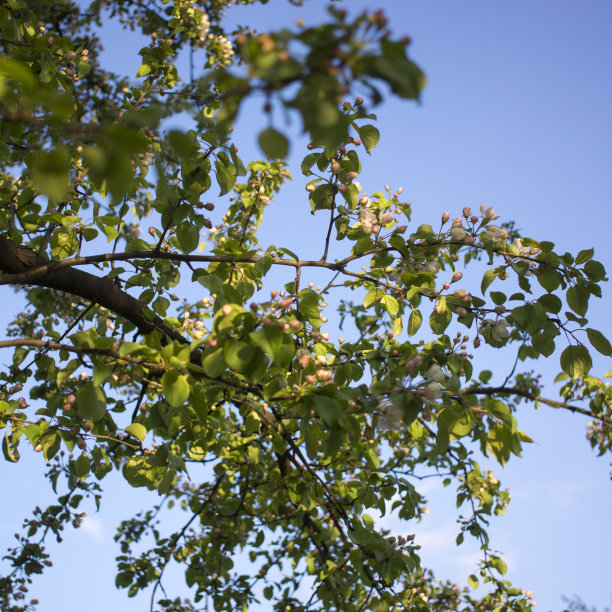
{"points": [[517, 114]]}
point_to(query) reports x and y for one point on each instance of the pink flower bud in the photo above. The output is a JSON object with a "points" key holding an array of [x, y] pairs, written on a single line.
{"points": [[342, 188], [226, 309], [311, 379], [304, 360], [446, 286], [310, 187], [356, 142], [473, 219], [212, 342], [335, 166], [470, 240], [273, 293], [358, 101], [325, 336], [467, 211], [295, 324], [351, 175], [445, 217], [456, 277], [324, 375], [400, 229], [286, 302]]}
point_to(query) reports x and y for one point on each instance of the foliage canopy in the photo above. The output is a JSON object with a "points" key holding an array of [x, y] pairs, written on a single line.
{"points": [[278, 440]]}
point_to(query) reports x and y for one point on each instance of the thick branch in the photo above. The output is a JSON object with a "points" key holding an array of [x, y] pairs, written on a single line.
{"points": [[535, 398], [20, 262]]}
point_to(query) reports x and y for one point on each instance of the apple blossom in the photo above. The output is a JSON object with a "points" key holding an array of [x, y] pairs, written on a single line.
{"points": [[495, 233], [433, 391], [497, 329], [488, 214], [390, 416], [433, 267], [435, 373], [385, 218]]}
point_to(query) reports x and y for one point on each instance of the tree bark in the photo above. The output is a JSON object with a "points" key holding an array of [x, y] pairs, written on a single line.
{"points": [[18, 259]]}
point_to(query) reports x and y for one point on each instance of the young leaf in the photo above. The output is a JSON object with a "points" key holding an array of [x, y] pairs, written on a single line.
{"points": [[273, 143]]}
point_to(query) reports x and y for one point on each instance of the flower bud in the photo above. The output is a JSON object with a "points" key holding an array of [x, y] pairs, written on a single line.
{"points": [[457, 276], [467, 211], [226, 309], [445, 217], [351, 175], [310, 187]]}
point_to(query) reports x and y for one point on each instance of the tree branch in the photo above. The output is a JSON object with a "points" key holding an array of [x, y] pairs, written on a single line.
{"points": [[25, 266], [535, 398]]}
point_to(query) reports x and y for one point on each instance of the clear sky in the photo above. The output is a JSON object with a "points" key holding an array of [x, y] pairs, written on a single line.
{"points": [[517, 114]]}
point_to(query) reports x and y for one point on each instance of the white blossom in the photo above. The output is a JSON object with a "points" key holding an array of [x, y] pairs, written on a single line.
{"points": [[457, 232], [433, 267], [495, 233], [433, 391], [390, 416], [435, 373], [488, 213], [499, 331]]}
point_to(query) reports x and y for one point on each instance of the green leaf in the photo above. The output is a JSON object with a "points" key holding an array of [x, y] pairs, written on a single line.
{"points": [[273, 143], [551, 303], [137, 430], [270, 339], [440, 321], [390, 304], [64, 242], [584, 256], [544, 344], [91, 402], [576, 361], [369, 136], [595, 271], [143, 70], [176, 388], [82, 465], [487, 279], [9, 455], [373, 296], [226, 177], [578, 299], [398, 326], [414, 322], [188, 236], [599, 342]]}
